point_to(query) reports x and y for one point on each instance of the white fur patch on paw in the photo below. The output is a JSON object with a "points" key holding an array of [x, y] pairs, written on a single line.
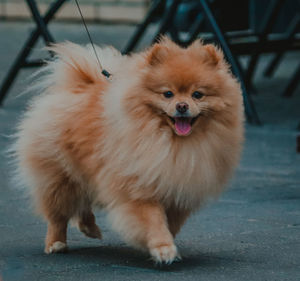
{"points": [[165, 254], [57, 247]]}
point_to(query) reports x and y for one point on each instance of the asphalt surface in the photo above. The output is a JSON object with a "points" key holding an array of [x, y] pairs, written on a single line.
{"points": [[251, 233]]}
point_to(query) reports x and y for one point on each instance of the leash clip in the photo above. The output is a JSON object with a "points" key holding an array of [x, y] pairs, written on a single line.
{"points": [[107, 75]]}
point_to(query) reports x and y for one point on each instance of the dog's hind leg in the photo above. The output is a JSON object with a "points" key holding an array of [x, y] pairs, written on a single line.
{"points": [[87, 224], [58, 202], [176, 219]]}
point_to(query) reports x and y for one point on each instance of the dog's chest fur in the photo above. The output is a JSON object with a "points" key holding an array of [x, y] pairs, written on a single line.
{"points": [[186, 172]]}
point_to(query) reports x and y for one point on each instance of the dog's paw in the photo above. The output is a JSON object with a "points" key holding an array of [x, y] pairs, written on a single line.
{"points": [[56, 247], [165, 254], [92, 231]]}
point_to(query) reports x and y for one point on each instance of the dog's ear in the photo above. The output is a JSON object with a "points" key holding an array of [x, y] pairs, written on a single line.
{"points": [[214, 55], [208, 53], [157, 54]]}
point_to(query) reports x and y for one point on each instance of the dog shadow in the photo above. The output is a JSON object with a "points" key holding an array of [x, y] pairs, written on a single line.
{"points": [[126, 258]]}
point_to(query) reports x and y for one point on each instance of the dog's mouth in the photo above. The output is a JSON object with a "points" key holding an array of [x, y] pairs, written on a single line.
{"points": [[183, 125]]}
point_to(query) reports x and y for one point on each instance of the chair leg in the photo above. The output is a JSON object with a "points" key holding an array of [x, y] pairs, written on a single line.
{"points": [[142, 27], [290, 37], [21, 58], [40, 22], [288, 92], [250, 110], [167, 20], [272, 13], [195, 30]]}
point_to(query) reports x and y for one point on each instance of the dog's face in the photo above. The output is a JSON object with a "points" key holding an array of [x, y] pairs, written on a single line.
{"points": [[186, 88]]}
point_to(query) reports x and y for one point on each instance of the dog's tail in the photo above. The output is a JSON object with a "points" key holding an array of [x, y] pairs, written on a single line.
{"points": [[76, 68]]}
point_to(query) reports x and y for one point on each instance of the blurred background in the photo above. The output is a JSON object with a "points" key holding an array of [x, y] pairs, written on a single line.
{"points": [[113, 11], [253, 232], [259, 38]]}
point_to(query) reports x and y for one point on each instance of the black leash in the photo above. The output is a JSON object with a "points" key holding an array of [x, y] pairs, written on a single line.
{"points": [[103, 71]]}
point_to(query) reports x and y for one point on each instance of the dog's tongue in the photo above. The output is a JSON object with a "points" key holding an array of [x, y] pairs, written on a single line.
{"points": [[183, 126]]}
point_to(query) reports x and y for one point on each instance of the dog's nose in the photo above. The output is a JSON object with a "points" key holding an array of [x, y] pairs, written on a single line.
{"points": [[182, 107]]}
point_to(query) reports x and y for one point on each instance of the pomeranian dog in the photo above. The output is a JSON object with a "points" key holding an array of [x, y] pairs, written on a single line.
{"points": [[149, 146]]}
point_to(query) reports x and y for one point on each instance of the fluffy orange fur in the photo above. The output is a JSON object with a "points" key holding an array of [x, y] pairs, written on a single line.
{"points": [[86, 141]]}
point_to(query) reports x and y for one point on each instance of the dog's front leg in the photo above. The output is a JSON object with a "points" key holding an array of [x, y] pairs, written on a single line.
{"points": [[144, 224]]}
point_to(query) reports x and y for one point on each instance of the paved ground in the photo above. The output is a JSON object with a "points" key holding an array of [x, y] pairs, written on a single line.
{"points": [[251, 233]]}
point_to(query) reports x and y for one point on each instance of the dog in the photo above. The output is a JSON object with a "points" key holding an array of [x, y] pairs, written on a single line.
{"points": [[149, 146]]}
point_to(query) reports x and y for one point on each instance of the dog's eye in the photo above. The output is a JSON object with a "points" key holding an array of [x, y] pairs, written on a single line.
{"points": [[168, 94], [197, 95]]}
